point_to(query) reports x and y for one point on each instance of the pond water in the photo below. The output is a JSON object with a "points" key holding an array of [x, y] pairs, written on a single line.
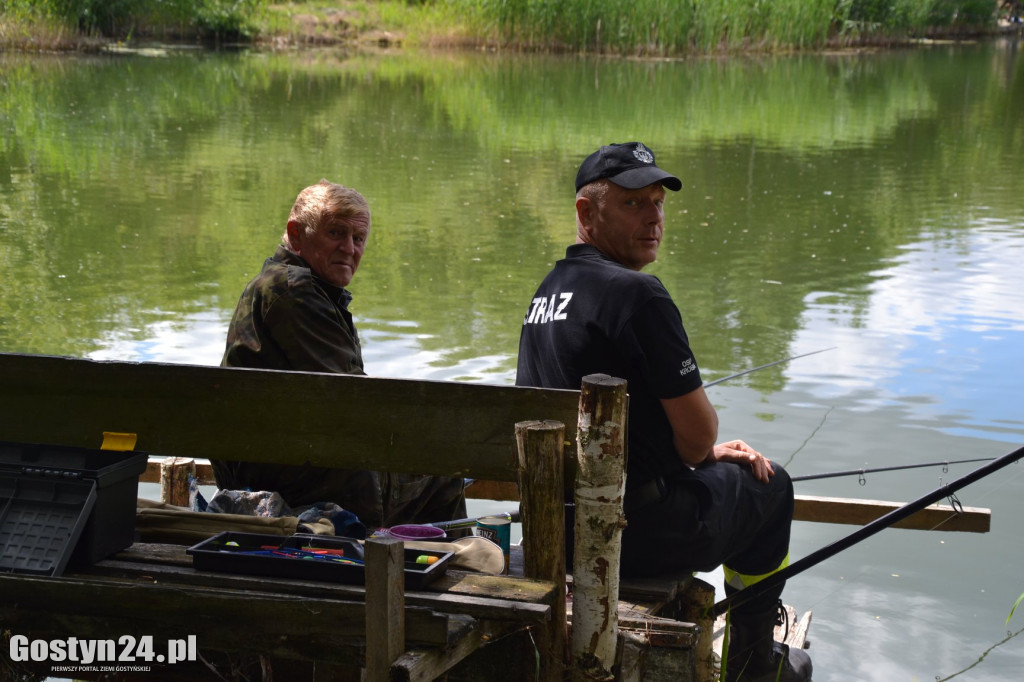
{"points": [[869, 204]]}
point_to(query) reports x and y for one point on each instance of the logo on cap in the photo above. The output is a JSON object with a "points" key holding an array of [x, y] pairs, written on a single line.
{"points": [[643, 154]]}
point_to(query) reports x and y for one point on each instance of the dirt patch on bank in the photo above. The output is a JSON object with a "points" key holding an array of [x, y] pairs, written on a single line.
{"points": [[330, 26]]}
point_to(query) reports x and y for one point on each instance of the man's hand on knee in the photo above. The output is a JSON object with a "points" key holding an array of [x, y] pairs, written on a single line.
{"points": [[738, 452]]}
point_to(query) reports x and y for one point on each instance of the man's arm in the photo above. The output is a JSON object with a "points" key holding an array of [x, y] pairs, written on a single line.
{"points": [[695, 429], [657, 329], [694, 425]]}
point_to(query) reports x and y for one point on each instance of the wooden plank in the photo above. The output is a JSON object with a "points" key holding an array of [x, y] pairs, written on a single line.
{"points": [[466, 636], [797, 637], [525, 602], [821, 510], [541, 475], [385, 606], [480, 596], [506, 656], [203, 412], [860, 512], [271, 624], [499, 491], [530, 611], [663, 588], [825, 510], [662, 631]]}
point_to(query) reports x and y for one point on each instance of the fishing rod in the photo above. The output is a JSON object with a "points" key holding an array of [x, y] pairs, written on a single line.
{"points": [[855, 472], [864, 532], [770, 364]]}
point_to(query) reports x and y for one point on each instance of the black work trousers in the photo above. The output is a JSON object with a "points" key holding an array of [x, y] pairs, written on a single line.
{"points": [[716, 514]]}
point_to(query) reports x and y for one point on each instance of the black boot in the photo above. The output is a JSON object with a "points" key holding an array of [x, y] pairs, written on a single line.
{"points": [[755, 656]]}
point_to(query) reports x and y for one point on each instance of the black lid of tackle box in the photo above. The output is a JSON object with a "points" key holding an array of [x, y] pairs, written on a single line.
{"points": [[254, 553], [43, 492], [41, 522]]}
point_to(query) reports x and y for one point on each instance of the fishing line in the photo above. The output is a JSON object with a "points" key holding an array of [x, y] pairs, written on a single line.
{"points": [[709, 384], [808, 439], [1009, 636]]}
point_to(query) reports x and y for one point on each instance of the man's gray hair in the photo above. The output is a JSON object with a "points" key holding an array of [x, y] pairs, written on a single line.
{"points": [[323, 203], [595, 191]]}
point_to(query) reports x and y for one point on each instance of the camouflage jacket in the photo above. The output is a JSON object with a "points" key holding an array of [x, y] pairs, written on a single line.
{"points": [[288, 318]]}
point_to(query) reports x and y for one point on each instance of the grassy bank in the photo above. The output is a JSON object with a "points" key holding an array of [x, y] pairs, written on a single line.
{"points": [[78, 24], [650, 27]]}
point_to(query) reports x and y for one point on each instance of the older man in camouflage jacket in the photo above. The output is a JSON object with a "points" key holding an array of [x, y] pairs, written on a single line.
{"points": [[294, 316]]}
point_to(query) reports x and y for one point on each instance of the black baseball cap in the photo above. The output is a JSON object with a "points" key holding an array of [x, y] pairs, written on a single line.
{"points": [[629, 164]]}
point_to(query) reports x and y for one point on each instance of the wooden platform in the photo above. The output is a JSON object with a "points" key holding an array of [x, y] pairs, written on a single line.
{"points": [[152, 589], [468, 626], [315, 631]]}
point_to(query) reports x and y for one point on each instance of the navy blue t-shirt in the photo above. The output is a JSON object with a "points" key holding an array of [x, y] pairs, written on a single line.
{"points": [[592, 315]]}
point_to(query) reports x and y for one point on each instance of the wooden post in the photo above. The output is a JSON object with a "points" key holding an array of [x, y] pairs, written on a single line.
{"points": [[175, 476], [698, 602], [385, 606], [541, 474], [600, 488]]}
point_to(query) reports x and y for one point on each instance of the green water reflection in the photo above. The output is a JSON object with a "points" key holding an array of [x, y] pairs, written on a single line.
{"points": [[869, 202], [135, 191]]}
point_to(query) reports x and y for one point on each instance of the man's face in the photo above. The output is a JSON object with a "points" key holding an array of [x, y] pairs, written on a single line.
{"points": [[333, 251], [627, 225]]}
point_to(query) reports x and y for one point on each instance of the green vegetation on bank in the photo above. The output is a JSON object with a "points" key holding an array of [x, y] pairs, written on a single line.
{"points": [[652, 27], [674, 27], [79, 20]]}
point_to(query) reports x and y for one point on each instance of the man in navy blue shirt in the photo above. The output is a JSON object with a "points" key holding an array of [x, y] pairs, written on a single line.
{"points": [[690, 504]]}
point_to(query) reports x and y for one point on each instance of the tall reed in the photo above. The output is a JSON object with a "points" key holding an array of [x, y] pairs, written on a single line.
{"points": [[686, 26]]}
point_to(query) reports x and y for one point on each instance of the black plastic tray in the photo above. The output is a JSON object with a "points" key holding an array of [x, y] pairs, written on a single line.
{"points": [[41, 521], [110, 521], [216, 554]]}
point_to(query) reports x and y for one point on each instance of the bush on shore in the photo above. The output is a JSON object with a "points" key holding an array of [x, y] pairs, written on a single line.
{"points": [[219, 20]]}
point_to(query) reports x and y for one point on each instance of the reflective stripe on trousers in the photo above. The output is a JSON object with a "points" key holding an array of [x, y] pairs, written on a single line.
{"points": [[742, 580]]}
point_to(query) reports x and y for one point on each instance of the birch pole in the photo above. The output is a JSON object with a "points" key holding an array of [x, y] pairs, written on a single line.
{"points": [[600, 488]]}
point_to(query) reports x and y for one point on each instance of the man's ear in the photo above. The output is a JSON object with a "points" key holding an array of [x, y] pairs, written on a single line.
{"points": [[295, 234], [584, 213], [585, 209]]}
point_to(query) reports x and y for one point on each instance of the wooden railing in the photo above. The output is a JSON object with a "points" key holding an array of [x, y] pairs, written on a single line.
{"points": [[172, 475]]}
